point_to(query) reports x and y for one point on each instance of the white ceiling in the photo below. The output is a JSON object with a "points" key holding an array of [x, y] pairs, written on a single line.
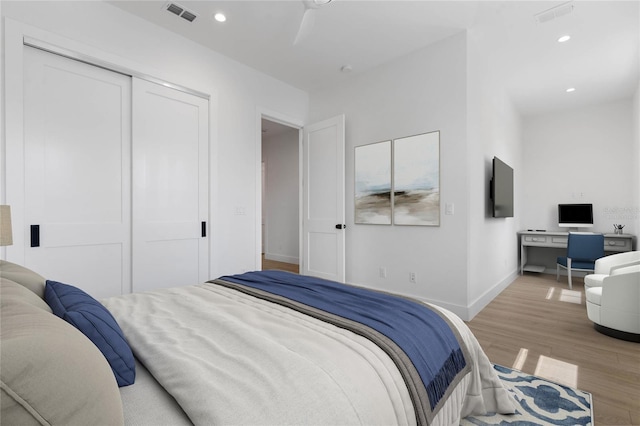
{"points": [[602, 59]]}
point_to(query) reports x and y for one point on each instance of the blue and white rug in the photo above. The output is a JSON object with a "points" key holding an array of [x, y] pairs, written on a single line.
{"points": [[541, 402]]}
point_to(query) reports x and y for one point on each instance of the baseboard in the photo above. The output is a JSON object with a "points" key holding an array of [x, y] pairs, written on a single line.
{"points": [[481, 302], [459, 310], [282, 258], [466, 313]]}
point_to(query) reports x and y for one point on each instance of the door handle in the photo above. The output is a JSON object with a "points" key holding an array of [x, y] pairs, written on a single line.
{"points": [[203, 229], [341, 226], [35, 235]]}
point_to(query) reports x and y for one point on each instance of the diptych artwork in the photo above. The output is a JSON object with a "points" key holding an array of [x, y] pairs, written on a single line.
{"points": [[399, 181]]}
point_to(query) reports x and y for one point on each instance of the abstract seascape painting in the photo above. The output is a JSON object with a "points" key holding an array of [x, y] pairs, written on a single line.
{"points": [[416, 180], [373, 183]]}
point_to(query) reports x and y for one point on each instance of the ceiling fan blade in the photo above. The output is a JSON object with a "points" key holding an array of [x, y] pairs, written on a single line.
{"points": [[306, 25]]}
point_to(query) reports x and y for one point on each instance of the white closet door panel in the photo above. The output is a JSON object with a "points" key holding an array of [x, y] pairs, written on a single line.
{"points": [[170, 187], [77, 172], [94, 268]]}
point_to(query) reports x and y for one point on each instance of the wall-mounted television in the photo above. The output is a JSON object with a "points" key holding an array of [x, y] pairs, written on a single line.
{"points": [[575, 215], [501, 189]]}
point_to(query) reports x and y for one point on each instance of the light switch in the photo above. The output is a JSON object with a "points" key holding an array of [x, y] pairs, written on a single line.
{"points": [[448, 208]]}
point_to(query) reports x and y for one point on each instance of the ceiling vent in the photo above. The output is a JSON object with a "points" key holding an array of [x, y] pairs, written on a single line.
{"points": [[554, 12], [176, 9]]}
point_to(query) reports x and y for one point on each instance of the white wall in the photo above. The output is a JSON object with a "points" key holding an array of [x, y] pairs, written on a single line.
{"points": [[237, 93], [494, 129], [3, 157], [588, 155], [451, 87], [636, 155], [281, 203], [419, 93]]}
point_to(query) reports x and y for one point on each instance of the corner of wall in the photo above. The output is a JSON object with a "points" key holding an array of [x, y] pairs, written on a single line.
{"points": [[483, 300], [494, 128], [636, 131], [3, 155], [2, 118]]}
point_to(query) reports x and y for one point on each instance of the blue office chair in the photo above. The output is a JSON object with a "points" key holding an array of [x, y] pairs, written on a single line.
{"points": [[582, 251]]}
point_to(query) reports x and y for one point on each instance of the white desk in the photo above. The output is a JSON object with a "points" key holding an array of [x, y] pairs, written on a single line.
{"points": [[612, 243]]}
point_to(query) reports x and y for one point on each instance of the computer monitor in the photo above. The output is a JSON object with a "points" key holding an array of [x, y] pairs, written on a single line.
{"points": [[575, 215]]}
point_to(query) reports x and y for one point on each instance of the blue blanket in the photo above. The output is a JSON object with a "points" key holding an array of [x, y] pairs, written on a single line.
{"points": [[424, 336]]}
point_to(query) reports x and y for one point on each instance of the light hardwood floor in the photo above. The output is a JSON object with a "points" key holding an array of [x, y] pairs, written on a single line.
{"points": [[272, 264], [539, 326]]}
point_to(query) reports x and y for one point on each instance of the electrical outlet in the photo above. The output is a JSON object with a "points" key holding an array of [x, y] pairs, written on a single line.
{"points": [[413, 278], [382, 272]]}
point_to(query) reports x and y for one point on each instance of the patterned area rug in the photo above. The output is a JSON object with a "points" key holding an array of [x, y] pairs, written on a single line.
{"points": [[541, 402]]}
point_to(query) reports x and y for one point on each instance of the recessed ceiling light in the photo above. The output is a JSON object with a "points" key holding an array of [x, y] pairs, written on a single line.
{"points": [[571, 89], [564, 38], [220, 17]]}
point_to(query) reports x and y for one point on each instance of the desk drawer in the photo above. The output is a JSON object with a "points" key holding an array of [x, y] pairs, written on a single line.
{"points": [[617, 244], [552, 240], [535, 239]]}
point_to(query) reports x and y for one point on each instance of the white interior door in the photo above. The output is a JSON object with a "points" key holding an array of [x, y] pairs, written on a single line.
{"points": [[170, 187], [77, 140], [323, 217]]}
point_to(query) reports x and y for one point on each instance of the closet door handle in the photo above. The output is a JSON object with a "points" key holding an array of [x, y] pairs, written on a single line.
{"points": [[35, 235], [203, 228]]}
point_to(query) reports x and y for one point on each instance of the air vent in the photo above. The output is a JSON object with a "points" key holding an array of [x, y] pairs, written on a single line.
{"points": [[176, 9], [554, 12], [188, 16]]}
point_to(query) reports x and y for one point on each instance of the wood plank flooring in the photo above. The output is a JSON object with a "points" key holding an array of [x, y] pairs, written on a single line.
{"points": [[539, 326], [273, 264]]}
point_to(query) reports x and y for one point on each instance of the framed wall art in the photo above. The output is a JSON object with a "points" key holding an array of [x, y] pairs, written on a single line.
{"points": [[416, 180], [373, 183]]}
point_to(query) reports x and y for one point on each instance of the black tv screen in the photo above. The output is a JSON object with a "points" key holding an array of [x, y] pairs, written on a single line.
{"points": [[575, 215], [502, 189]]}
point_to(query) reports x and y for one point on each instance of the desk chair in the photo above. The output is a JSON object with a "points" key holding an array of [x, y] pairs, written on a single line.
{"points": [[582, 251]]}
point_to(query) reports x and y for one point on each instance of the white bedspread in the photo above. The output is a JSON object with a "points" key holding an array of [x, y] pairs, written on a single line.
{"points": [[228, 358]]}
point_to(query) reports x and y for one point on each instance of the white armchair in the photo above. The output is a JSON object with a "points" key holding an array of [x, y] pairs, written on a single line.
{"points": [[606, 265], [614, 307]]}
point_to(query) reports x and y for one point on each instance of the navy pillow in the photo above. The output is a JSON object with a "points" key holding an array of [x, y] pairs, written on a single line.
{"points": [[94, 320]]}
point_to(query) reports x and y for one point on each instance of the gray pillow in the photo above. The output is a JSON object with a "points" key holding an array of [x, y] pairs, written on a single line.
{"points": [[50, 372], [23, 276], [13, 291]]}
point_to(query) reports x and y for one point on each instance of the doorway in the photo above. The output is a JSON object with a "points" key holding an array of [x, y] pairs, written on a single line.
{"points": [[280, 196]]}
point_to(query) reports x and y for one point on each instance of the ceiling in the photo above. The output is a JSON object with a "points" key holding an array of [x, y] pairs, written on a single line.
{"points": [[602, 59]]}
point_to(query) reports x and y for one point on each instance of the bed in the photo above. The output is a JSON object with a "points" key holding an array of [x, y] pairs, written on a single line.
{"points": [[264, 347]]}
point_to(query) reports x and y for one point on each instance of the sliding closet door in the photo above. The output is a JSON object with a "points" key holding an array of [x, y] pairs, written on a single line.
{"points": [[170, 187], [77, 141]]}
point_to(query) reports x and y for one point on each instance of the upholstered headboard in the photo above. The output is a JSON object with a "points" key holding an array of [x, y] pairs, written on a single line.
{"points": [[50, 372]]}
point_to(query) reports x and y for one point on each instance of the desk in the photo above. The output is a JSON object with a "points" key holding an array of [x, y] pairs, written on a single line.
{"points": [[612, 243]]}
